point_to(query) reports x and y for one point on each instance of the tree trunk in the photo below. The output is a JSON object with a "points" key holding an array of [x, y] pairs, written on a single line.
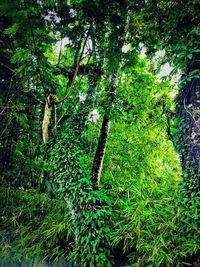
{"points": [[101, 147], [100, 151], [188, 142], [188, 146], [49, 107]]}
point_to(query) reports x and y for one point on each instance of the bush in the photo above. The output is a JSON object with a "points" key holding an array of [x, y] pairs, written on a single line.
{"points": [[32, 226], [147, 227]]}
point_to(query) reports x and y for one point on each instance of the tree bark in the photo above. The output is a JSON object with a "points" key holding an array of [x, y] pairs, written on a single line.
{"points": [[101, 147], [188, 112], [47, 117], [187, 140], [100, 151]]}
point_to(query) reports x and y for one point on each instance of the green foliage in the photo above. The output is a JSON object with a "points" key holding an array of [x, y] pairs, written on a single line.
{"points": [[143, 172], [188, 224], [89, 210], [33, 226], [92, 223], [156, 225], [148, 224], [175, 27]]}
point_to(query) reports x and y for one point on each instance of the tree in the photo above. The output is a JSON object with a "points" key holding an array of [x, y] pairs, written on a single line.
{"points": [[45, 136], [100, 151]]}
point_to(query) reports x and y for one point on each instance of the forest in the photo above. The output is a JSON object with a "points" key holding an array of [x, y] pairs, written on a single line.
{"points": [[99, 133]]}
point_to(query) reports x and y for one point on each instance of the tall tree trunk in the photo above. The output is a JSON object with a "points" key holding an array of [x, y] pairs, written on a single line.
{"points": [[188, 145], [101, 147], [188, 113]]}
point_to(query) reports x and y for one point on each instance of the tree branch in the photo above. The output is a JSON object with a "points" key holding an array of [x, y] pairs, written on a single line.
{"points": [[77, 67]]}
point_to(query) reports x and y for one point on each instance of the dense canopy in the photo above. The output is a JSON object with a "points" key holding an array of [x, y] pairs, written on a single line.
{"points": [[99, 155]]}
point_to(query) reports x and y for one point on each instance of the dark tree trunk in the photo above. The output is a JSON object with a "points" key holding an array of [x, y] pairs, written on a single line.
{"points": [[100, 151], [188, 146], [101, 147], [188, 112]]}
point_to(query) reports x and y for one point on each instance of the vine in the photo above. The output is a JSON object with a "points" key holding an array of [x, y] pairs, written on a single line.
{"points": [[89, 209], [187, 145]]}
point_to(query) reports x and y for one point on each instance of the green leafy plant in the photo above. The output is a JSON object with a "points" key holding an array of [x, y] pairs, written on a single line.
{"points": [[33, 226]]}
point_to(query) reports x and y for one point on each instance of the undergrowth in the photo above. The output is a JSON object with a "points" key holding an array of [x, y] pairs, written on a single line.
{"points": [[153, 226], [32, 225]]}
